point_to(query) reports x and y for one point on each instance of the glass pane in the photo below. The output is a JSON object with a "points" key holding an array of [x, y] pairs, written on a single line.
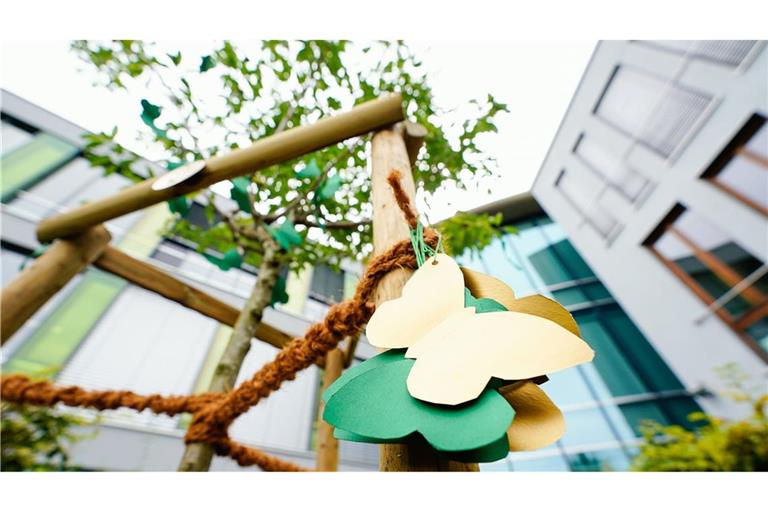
{"points": [[12, 137], [32, 161], [604, 460], [556, 463], [596, 291], [659, 113], [746, 177], [676, 251], [568, 387], [585, 427], [549, 267], [759, 142], [582, 192], [636, 413], [570, 296], [612, 167], [758, 331], [327, 284], [612, 365], [63, 331]]}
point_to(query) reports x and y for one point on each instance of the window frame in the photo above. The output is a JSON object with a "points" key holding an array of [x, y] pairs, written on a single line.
{"points": [[736, 147], [722, 270], [636, 138]]}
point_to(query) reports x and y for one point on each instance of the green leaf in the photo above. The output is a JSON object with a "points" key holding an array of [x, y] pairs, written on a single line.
{"points": [[279, 293], [286, 235], [311, 170], [375, 404], [239, 192], [482, 305], [206, 63], [149, 113], [176, 59], [230, 259], [151, 110], [328, 188], [180, 205]]}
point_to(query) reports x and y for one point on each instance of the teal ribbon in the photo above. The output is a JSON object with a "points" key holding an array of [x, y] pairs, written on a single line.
{"points": [[422, 250]]}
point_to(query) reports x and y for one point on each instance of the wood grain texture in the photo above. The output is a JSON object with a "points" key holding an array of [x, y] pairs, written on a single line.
{"points": [[261, 154], [389, 152], [327, 445], [46, 275]]}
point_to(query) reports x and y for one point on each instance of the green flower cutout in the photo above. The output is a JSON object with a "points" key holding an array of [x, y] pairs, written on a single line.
{"points": [[371, 400]]}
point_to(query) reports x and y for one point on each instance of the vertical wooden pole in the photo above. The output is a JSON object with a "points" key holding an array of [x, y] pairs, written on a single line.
{"points": [[47, 275], [389, 152], [327, 445]]}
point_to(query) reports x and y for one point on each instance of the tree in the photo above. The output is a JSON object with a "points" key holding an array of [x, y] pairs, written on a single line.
{"points": [[304, 212], [719, 444], [36, 438]]}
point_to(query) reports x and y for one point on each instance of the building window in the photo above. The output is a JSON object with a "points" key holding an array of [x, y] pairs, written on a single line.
{"points": [[583, 197], [741, 169], [327, 285], [728, 53], [729, 279], [32, 161], [658, 113], [611, 168]]}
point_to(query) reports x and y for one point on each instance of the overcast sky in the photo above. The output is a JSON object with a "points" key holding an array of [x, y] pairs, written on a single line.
{"points": [[536, 79]]}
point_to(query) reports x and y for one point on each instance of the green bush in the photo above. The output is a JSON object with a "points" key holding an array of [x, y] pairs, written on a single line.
{"points": [[719, 444]]}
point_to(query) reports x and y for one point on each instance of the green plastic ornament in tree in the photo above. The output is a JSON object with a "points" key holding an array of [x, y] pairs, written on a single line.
{"points": [[328, 188], [311, 170], [279, 292], [286, 235], [228, 260], [149, 114], [180, 205], [239, 193], [206, 63]]}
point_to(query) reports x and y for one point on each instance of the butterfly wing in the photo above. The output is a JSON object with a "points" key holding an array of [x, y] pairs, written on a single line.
{"points": [[433, 293], [456, 359]]}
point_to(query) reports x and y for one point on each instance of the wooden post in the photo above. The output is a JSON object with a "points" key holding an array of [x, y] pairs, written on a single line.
{"points": [[389, 152], [327, 445], [45, 276], [146, 276], [261, 154]]}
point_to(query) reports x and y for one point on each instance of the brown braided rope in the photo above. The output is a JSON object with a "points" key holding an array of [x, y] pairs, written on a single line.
{"points": [[213, 413]]}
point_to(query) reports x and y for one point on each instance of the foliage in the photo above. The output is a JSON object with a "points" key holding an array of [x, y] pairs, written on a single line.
{"points": [[468, 232], [718, 445], [37, 438], [203, 105]]}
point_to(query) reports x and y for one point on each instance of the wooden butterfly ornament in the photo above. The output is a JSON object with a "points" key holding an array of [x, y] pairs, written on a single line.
{"points": [[465, 356], [458, 351]]}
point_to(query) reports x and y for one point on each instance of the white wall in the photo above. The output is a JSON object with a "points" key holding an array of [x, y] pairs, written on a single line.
{"points": [[657, 301]]}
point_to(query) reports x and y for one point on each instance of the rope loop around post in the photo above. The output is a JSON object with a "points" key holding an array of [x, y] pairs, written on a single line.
{"points": [[213, 413]]}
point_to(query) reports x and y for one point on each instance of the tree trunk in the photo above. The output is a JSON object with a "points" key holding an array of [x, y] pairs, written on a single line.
{"points": [[198, 456], [388, 152]]}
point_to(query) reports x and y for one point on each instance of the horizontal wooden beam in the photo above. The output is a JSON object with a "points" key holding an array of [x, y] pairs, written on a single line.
{"points": [[46, 275], [151, 278], [263, 153]]}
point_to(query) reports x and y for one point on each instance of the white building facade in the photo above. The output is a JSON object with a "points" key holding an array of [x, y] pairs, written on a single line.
{"points": [[659, 176], [90, 334]]}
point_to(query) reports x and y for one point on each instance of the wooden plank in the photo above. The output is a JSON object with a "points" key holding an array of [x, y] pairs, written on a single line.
{"points": [[46, 275], [327, 445], [150, 278], [271, 150], [389, 152]]}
